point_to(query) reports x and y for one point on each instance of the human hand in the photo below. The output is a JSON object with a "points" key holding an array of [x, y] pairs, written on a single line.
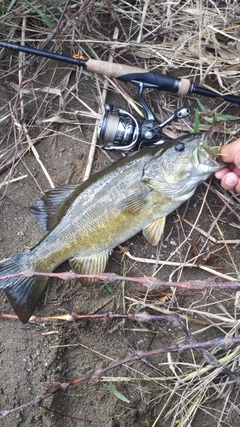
{"points": [[230, 175]]}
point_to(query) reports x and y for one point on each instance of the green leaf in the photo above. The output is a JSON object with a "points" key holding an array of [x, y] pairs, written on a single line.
{"points": [[219, 118], [136, 309], [116, 393], [226, 117], [12, 3], [196, 122], [210, 119], [44, 17], [200, 105], [108, 287]]}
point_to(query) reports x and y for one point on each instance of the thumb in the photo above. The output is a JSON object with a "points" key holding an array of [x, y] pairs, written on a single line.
{"points": [[231, 153]]}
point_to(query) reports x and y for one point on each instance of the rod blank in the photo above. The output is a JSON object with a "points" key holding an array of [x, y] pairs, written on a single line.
{"points": [[128, 74]]}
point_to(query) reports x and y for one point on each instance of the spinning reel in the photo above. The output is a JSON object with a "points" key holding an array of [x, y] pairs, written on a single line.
{"points": [[118, 129], [121, 131]]}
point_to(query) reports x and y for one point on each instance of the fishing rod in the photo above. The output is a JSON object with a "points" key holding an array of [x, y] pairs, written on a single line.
{"points": [[128, 73], [119, 128]]}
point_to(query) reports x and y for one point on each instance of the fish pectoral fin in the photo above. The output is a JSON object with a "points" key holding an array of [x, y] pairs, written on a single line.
{"points": [[135, 203], [94, 264], [51, 208], [153, 232]]}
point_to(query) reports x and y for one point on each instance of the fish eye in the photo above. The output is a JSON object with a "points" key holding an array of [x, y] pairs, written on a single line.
{"points": [[180, 147]]}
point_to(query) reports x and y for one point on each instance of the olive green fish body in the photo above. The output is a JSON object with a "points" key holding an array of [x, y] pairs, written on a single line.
{"points": [[88, 220], [102, 217]]}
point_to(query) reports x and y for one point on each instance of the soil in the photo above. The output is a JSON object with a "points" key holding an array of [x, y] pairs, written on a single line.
{"points": [[35, 357]]}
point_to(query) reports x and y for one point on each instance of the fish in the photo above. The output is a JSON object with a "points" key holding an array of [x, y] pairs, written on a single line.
{"points": [[86, 221]]}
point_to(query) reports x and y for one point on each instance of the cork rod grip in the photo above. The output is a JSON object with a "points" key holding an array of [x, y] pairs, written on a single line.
{"points": [[110, 69], [184, 88]]}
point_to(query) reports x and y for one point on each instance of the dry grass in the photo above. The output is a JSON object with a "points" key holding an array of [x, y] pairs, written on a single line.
{"points": [[195, 39]]}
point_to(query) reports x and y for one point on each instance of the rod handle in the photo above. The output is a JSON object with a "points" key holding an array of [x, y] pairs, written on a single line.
{"points": [[111, 70], [128, 73]]}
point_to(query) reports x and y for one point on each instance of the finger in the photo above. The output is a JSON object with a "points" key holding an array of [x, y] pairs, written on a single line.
{"points": [[220, 174], [236, 170], [231, 153], [230, 181], [237, 188]]}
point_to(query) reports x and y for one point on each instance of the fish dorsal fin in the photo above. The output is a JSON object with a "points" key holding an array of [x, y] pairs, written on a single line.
{"points": [[94, 264], [153, 232], [135, 203], [51, 208]]}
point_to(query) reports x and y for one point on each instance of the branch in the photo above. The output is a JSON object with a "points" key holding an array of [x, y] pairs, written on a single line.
{"points": [[149, 282], [226, 343]]}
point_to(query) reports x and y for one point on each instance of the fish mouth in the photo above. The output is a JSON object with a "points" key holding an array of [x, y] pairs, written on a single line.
{"points": [[209, 151]]}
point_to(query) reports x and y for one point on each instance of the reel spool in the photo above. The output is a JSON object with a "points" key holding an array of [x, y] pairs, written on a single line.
{"points": [[119, 129]]}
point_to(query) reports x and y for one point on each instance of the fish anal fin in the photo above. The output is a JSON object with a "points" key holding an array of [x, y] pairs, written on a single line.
{"points": [[153, 232], [94, 264], [51, 208]]}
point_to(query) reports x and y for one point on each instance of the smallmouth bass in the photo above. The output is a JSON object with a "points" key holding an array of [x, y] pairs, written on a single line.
{"points": [[86, 221]]}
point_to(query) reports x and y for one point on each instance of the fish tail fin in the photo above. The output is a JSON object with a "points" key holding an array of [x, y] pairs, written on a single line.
{"points": [[22, 292]]}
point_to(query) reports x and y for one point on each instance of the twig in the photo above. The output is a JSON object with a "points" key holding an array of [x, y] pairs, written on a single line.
{"points": [[21, 63], [222, 198], [179, 264], [144, 12], [12, 162], [150, 282], [143, 316], [31, 146], [225, 343], [13, 180]]}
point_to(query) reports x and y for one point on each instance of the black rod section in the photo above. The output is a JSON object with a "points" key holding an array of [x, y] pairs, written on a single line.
{"points": [[128, 73], [44, 54], [211, 94]]}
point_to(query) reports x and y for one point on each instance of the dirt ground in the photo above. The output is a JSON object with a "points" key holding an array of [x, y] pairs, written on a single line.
{"points": [[36, 356]]}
